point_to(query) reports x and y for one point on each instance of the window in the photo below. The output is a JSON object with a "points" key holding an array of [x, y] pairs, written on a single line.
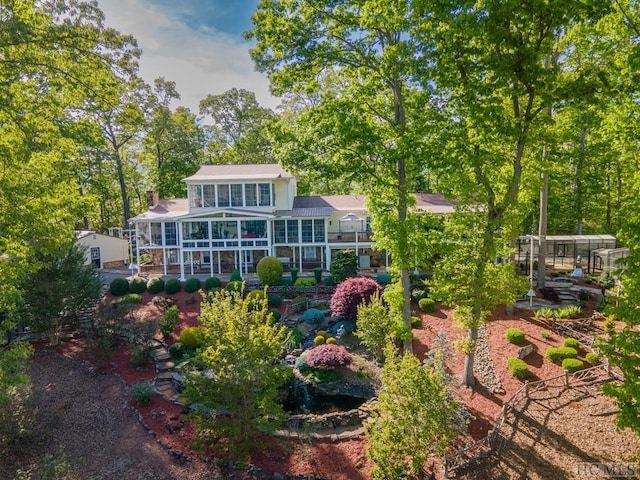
{"points": [[236, 195], [209, 195], [307, 231], [253, 228], [223, 196], [292, 231], [217, 230], [230, 229], [279, 231], [170, 233], [156, 233], [195, 196], [251, 195], [265, 194], [318, 231], [195, 230], [309, 253]]}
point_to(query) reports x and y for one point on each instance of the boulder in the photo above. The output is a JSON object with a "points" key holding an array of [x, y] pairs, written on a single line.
{"points": [[525, 351]]}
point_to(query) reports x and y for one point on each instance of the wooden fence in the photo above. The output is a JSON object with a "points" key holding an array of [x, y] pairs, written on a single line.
{"points": [[516, 403]]}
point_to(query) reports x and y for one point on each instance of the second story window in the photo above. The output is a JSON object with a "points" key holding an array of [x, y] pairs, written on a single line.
{"points": [[265, 194], [251, 195], [223, 196], [236, 195], [195, 196]]}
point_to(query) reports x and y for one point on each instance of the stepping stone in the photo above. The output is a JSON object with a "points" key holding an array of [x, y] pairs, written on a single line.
{"points": [[162, 366], [165, 389], [162, 355], [165, 376]]}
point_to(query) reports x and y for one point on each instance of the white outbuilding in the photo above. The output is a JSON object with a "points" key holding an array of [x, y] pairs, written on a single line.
{"points": [[103, 250]]}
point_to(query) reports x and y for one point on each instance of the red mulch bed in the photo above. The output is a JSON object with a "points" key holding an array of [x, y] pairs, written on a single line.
{"points": [[345, 460]]}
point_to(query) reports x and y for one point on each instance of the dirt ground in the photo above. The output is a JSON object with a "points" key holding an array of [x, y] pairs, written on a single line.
{"points": [[86, 424]]}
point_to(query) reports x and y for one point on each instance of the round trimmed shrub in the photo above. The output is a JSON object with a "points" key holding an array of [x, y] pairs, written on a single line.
{"points": [[317, 274], [416, 322], [331, 341], [328, 356], [274, 300], [119, 287], [301, 363], [383, 278], [593, 358], [305, 282], [572, 365], [235, 286], [138, 285], [192, 285], [191, 337], [572, 342], [275, 314], [127, 300], [427, 305], [269, 270], [313, 316], [172, 286], [351, 293], [514, 335], [319, 340], [255, 300], [556, 354], [211, 283], [155, 285], [518, 368]]}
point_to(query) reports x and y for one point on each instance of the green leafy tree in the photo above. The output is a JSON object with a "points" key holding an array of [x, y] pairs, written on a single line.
{"points": [[238, 376], [376, 325], [59, 291], [238, 133], [344, 265], [413, 419]]}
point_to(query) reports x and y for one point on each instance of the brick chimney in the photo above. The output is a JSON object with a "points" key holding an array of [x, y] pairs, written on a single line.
{"points": [[152, 198]]}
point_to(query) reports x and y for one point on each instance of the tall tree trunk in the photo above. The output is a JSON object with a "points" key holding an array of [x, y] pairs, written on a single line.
{"points": [[467, 373], [579, 164], [542, 227], [123, 187]]}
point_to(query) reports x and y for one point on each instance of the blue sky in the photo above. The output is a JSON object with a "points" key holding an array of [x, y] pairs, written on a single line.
{"points": [[196, 43]]}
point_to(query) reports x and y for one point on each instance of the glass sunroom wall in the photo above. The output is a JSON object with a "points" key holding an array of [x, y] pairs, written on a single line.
{"points": [[195, 230], [156, 233], [195, 196]]}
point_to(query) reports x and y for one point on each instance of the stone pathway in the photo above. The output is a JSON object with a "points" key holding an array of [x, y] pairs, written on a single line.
{"points": [[483, 365], [164, 384]]}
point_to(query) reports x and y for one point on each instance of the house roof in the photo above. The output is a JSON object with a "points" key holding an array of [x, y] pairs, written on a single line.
{"points": [[165, 209], [267, 171], [434, 202], [306, 212]]}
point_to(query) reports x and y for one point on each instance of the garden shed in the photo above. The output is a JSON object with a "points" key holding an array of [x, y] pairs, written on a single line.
{"points": [[103, 250], [565, 252], [608, 258]]}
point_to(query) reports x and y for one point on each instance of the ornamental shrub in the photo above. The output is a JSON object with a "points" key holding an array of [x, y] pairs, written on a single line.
{"points": [[305, 282], [127, 301], [294, 275], [416, 322], [255, 300], [191, 337], [344, 265], [351, 293], [427, 305], [514, 335], [141, 392], [383, 278], [330, 281], [192, 285], [593, 358], [518, 368], [301, 363], [571, 342], [572, 365], [138, 285], [211, 283], [172, 286], [556, 354], [162, 302], [269, 271], [317, 274], [274, 300], [169, 321], [331, 341], [235, 276], [328, 356], [275, 314], [319, 340], [313, 316], [234, 286], [119, 287], [177, 350], [155, 285]]}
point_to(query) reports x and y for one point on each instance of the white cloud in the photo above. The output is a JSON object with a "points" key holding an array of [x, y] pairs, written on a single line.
{"points": [[201, 63]]}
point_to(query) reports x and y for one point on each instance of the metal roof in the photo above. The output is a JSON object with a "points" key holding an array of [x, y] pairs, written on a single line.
{"points": [[266, 171]]}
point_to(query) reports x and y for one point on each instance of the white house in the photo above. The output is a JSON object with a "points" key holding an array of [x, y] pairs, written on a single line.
{"points": [[236, 214], [103, 250]]}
